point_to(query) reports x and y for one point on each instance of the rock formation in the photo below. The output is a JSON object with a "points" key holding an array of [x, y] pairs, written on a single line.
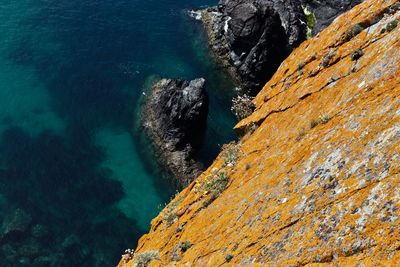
{"points": [[316, 176], [175, 117], [252, 38]]}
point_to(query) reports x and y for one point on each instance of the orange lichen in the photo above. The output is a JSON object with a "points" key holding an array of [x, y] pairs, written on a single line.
{"points": [[301, 195]]}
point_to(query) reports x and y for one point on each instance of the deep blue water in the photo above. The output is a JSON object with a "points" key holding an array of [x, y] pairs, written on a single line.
{"points": [[78, 183]]}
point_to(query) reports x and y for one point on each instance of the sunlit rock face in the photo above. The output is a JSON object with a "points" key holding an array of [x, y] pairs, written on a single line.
{"points": [[315, 177]]}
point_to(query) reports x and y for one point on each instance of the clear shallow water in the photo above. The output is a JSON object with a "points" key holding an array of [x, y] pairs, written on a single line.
{"points": [[78, 183]]}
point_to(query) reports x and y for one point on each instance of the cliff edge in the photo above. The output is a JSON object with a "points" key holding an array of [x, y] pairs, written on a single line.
{"points": [[315, 179]]}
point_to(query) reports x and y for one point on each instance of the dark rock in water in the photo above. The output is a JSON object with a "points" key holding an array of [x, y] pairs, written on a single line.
{"points": [[9, 253], [39, 231], [23, 261], [175, 117], [29, 248], [48, 261], [15, 224], [326, 11], [252, 37], [70, 241]]}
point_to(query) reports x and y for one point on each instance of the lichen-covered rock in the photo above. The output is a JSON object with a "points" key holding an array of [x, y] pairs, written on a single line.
{"points": [[315, 179], [175, 117]]}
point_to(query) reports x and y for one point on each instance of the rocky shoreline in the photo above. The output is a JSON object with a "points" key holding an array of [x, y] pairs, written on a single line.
{"points": [[175, 117], [250, 39]]}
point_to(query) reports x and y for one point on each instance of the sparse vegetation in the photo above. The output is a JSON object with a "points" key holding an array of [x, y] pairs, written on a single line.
{"points": [[311, 19], [144, 259], [354, 31], [180, 228], [300, 68], [217, 185], [214, 187], [231, 154], [242, 106], [228, 257], [392, 25], [326, 60], [169, 213], [184, 246], [128, 255], [175, 254], [357, 54], [321, 120]]}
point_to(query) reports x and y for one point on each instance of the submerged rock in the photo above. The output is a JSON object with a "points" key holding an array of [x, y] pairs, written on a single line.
{"points": [[252, 38], [15, 224], [175, 117]]}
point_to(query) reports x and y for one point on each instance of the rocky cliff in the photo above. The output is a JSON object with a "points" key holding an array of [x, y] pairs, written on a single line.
{"points": [[250, 38], [316, 176], [175, 118]]}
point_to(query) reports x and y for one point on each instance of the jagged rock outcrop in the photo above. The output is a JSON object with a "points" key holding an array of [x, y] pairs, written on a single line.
{"points": [[252, 38], [175, 117], [316, 176]]}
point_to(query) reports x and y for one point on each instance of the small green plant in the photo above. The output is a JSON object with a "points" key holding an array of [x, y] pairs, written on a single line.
{"points": [[323, 119], [301, 135], [228, 257], [144, 259], [326, 60], [169, 213], [351, 33], [217, 185], [357, 54], [311, 19], [242, 106], [184, 246], [392, 25], [231, 154], [300, 68]]}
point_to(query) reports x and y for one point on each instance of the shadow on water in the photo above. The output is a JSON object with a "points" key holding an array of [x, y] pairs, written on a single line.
{"points": [[92, 58], [55, 181]]}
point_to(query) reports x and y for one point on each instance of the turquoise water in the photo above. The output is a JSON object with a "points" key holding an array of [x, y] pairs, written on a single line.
{"points": [[72, 159]]}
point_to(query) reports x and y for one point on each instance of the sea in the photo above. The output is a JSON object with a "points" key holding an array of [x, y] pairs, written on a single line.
{"points": [[79, 182]]}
